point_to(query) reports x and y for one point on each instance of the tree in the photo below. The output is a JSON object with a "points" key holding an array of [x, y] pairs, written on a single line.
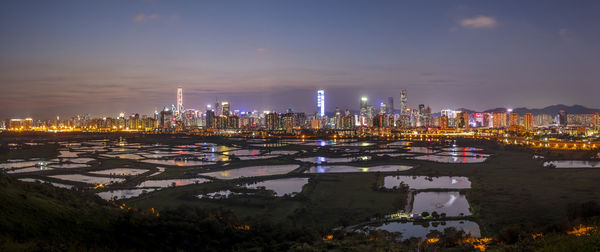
{"points": [[424, 214]]}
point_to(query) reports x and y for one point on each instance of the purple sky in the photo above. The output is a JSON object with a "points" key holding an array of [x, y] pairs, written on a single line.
{"points": [[104, 57]]}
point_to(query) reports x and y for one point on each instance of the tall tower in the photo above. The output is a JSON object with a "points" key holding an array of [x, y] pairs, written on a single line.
{"points": [[382, 108], [403, 102], [179, 111], [321, 102], [562, 118], [390, 105], [225, 107], [363, 103], [513, 119], [528, 121]]}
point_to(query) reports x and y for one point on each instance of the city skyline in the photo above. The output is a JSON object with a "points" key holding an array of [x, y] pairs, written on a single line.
{"points": [[476, 55], [362, 101]]}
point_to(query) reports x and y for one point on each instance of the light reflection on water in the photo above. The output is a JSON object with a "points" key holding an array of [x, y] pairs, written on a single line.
{"points": [[573, 164], [321, 159], [410, 229], [281, 186], [348, 169], [424, 182], [450, 159], [252, 171], [171, 182], [123, 194], [450, 203]]}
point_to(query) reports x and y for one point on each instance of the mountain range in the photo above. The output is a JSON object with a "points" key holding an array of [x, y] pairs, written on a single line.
{"points": [[550, 110]]}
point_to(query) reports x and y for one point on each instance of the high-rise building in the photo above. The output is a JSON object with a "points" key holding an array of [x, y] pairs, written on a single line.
{"points": [[210, 115], [449, 113], [443, 122], [513, 119], [427, 117], [272, 121], [528, 121], [218, 109], [363, 103], [403, 102], [421, 116], [390, 105], [226, 108], [166, 117], [27, 123], [16, 124], [382, 108], [499, 120], [179, 101], [462, 120], [542, 120], [363, 118], [596, 121], [321, 102], [562, 118]]}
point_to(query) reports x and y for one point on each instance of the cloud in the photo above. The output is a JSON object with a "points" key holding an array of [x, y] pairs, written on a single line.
{"points": [[262, 50], [479, 22], [141, 17]]}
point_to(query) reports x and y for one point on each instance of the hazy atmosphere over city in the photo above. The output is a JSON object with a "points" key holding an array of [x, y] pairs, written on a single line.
{"points": [[105, 57]]}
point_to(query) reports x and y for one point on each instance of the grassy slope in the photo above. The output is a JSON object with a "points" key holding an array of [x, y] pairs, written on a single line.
{"points": [[39, 213]]}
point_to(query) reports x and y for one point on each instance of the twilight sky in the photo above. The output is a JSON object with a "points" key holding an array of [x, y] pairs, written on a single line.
{"points": [[104, 57]]}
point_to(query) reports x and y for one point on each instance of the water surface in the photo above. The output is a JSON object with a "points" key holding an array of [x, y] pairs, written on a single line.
{"points": [[123, 194], [282, 187], [120, 171], [252, 171], [424, 182], [88, 179], [450, 203], [410, 229], [348, 169], [172, 182], [573, 164]]}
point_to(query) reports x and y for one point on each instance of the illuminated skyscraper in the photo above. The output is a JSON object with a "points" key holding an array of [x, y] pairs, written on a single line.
{"points": [[382, 108], [218, 109], [225, 107], [390, 105], [363, 103], [462, 120], [165, 122], [562, 118], [513, 119], [528, 121], [321, 102], [443, 122], [498, 120], [420, 119], [179, 101], [403, 101]]}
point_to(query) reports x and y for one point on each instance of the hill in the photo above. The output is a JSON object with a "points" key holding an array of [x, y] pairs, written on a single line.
{"points": [[549, 110]]}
